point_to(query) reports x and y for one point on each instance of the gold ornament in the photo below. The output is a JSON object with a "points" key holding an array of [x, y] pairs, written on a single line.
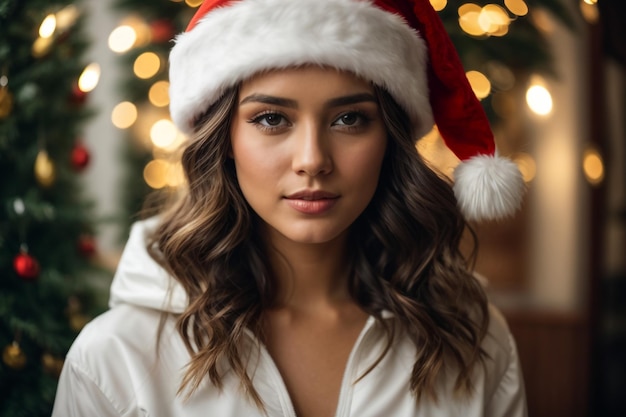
{"points": [[13, 356], [6, 103], [44, 169], [78, 321], [51, 364]]}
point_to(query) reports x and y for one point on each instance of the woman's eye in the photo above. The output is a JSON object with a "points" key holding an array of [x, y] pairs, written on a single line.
{"points": [[270, 120], [351, 119], [273, 119]]}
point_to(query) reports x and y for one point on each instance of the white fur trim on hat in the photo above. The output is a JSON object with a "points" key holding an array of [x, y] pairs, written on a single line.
{"points": [[488, 187], [232, 43]]}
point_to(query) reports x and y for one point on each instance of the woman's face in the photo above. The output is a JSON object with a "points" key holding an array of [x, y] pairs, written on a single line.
{"points": [[308, 145]]}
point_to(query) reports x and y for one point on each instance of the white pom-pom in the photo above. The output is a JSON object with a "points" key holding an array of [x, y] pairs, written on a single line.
{"points": [[488, 187]]}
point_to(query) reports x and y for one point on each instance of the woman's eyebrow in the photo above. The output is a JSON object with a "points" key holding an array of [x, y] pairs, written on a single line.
{"points": [[351, 99], [285, 102], [277, 101]]}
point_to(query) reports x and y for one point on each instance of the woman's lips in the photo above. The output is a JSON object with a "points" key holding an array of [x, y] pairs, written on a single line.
{"points": [[312, 202]]}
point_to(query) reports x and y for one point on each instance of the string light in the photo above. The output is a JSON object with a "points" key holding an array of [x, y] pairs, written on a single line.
{"points": [[491, 20], [468, 19], [122, 39], [124, 115], [193, 3], [160, 173], [480, 84], [435, 151], [147, 65], [41, 46], [538, 97], [66, 17], [159, 94], [155, 173], [90, 77], [589, 10], [163, 133], [439, 5], [593, 166], [517, 7], [175, 175], [48, 26]]}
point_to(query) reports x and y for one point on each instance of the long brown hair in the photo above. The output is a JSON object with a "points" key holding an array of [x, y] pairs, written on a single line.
{"points": [[405, 259]]}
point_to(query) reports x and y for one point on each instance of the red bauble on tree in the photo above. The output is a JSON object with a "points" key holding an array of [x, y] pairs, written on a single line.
{"points": [[26, 266], [162, 30], [86, 245], [77, 96], [80, 157]]}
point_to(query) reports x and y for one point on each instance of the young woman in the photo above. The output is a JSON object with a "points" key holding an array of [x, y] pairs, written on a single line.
{"points": [[310, 267]]}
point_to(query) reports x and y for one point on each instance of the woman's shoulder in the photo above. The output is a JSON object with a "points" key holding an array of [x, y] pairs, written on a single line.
{"points": [[114, 367], [498, 342], [503, 377], [124, 327], [121, 345]]}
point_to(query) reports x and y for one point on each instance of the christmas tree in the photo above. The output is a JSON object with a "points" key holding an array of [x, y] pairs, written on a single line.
{"points": [[46, 229], [501, 42]]}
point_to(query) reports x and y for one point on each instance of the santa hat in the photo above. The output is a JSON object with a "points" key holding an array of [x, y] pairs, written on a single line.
{"points": [[399, 45]]}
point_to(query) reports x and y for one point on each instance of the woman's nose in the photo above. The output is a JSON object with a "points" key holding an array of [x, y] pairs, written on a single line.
{"points": [[312, 151]]}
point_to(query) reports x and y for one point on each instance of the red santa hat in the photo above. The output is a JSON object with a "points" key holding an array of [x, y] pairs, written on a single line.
{"points": [[399, 45]]}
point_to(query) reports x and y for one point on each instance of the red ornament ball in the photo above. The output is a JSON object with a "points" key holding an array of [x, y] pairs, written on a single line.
{"points": [[86, 245], [80, 157], [78, 96], [26, 266], [162, 30]]}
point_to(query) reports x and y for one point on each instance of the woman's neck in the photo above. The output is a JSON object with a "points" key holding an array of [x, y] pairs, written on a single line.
{"points": [[309, 276]]}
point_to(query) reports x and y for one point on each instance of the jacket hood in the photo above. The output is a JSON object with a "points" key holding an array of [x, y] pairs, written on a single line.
{"points": [[140, 280]]}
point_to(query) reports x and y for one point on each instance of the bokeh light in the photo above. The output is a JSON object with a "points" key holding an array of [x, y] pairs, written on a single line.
{"points": [[147, 65], [163, 133], [538, 98], [439, 5], [159, 94], [517, 7], [124, 115], [90, 77], [122, 39], [480, 84], [593, 166], [48, 26]]}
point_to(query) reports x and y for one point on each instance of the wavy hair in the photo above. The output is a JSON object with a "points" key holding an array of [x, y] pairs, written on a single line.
{"points": [[405, 259]]}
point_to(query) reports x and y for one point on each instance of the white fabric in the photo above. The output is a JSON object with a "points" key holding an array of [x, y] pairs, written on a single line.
{"points": [[488, 187], [113, 369]]}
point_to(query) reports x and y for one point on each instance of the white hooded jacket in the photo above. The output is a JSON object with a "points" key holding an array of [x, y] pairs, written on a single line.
{"points": [[113, 368]]}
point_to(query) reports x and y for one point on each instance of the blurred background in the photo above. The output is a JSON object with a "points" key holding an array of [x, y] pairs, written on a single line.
{"points": [[85, 136]]}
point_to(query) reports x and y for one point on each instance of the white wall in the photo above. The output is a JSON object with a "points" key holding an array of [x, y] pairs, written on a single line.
{"points": [[558, 193], [104, 174]]}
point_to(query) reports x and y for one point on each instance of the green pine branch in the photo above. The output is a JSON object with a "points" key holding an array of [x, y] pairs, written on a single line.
{"points": [[49, 220]]}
